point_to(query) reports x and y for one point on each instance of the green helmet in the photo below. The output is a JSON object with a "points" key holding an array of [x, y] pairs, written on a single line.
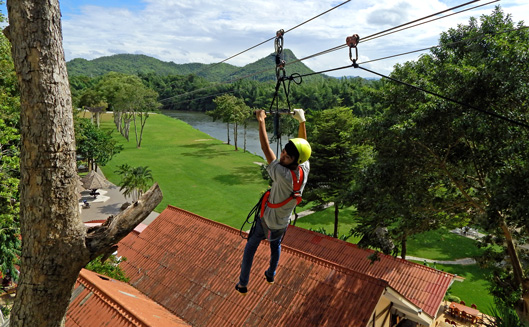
{"points": [[303, 148]]}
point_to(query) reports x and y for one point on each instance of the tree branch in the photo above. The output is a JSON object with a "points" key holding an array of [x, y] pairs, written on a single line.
{"points": [[457, 183], [100, 239]]}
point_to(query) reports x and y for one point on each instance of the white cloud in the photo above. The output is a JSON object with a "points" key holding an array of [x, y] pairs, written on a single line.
{"points": [[208, 31]]}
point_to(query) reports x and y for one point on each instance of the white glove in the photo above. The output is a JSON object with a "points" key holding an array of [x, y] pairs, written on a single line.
{"points": [[299, 114]]}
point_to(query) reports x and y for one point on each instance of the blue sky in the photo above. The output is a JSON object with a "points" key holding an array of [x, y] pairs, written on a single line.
{"points": [[209, 31]]}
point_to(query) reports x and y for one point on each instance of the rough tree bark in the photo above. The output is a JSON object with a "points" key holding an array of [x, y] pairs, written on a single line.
{"points": [[55, 242]]}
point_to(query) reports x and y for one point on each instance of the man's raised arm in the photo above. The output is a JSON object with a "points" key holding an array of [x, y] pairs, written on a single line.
{"points": [[263, 136], [299, 114]]}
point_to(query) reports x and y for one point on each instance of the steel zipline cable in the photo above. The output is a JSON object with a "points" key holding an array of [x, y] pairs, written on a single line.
{"points": [[482, 35], [372, 37], [490, 113], [396, 29], [343, 67], [272, 38]]}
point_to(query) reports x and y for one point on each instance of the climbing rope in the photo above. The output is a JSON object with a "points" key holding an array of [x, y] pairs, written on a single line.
{"points": [[253, 213]]}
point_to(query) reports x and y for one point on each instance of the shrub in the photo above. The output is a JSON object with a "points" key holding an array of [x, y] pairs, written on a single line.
{"points": [[452, 298]]}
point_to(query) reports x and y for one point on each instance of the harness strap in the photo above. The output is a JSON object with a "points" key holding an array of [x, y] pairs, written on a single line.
{"points": [[296, 194]]}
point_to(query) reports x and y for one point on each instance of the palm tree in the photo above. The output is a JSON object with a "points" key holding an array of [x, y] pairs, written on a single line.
{"points": [[134, 180], [123, 170]]}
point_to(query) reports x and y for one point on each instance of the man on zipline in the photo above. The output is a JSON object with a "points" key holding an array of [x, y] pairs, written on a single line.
{"points": [[289, 175]]}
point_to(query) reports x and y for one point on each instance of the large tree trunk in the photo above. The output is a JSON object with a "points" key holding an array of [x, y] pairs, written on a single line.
{"points": [[403, 248], [55, 242], [117, 120], [517, 269], [245, 127], [143, 120], [235, 131]]}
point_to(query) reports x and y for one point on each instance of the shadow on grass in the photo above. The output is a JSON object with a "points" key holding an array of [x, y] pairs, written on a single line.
{"points": [[240, 175], [202, 150]]}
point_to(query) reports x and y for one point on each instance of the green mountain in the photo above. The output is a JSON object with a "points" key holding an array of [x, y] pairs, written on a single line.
{"points": [[261, 70]]}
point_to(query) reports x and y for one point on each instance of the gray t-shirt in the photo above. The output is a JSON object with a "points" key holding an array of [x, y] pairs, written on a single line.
{"points": [[279, 218]]}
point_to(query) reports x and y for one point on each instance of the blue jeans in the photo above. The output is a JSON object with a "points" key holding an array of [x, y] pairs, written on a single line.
{"points": [[249, 251]]}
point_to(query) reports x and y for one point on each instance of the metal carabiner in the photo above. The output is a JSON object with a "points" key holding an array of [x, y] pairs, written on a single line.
{"points": [[279, 41], [280, 67], [352, 41]]}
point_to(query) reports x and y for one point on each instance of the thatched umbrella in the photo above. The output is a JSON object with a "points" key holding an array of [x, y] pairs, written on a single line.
{"points": [[93, 181], [80, 187]]}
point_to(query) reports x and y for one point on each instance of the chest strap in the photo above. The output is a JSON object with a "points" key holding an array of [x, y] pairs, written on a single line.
{"points": [[296, 193]]}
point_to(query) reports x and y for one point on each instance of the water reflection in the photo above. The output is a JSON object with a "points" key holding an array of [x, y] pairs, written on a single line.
{"points": [[217, 129]]}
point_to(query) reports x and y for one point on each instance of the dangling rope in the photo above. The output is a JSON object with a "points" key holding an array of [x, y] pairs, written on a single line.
{"points": [[255, 213]]}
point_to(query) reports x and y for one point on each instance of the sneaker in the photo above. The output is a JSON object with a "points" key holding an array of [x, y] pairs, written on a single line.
{"points": [[241, 289], [269, 279]]}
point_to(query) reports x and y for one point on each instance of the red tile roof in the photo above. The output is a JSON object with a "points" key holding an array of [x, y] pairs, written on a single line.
{"points": [[190, 265], [421, 285], [101, 301]]}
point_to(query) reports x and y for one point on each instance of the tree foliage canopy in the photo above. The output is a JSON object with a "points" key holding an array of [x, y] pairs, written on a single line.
{"points": [[93, 144], [441, 163], [9, 160]]}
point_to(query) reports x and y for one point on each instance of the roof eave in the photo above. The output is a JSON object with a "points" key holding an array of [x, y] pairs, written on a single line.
{"points": [[411, 311]]}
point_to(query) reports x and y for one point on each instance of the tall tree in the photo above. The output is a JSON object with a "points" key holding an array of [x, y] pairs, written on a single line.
{"points": [[95, 145], [240, 115], [396, 195], [135, 101], [225, 105], [55, 242], [476, 162], [335, 160]]}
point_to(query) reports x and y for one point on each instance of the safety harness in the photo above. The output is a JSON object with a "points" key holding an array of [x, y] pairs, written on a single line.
{"points": [[296, 193], [258, 210]]}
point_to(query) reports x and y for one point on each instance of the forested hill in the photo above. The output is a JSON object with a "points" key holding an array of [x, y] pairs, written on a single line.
{"points": [[142, 64]]}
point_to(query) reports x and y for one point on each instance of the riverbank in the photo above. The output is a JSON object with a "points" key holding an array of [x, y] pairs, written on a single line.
{"points": [[217, 130]]}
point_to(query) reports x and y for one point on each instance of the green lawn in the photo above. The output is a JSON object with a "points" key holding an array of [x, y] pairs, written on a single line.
{"points": [[442, 245], [474, 289], [325, 219], [195, 172]]}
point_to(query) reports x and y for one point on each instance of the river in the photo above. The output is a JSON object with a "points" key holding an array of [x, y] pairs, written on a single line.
{"points": [[217, 129]]}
